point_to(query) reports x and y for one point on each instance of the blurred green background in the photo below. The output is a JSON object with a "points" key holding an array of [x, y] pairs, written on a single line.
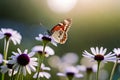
{"points": [[95, 23]]}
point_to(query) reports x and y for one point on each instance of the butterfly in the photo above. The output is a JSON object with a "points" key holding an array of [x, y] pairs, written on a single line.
{"points": [[59, 31]]}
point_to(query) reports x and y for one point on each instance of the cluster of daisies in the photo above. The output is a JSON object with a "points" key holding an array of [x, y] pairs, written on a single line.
{"points": [[91, 66], [21, 63]]}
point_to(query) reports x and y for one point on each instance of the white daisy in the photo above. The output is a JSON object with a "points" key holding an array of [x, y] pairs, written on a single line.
{"points": [[8, 68], [54, 61], [99, 55], [117, 53], [46, 38], [117, 60], [84, 68], [10, 34], [71, 72], [23, 61], [39, 50], [70, 58], [42, 72], [87, 65]]}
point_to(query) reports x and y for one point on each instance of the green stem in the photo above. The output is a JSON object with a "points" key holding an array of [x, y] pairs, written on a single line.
{"points": [[6, 45], [40, 60], [88, 75], [38, 68], [22, 77], [69, 78], [18, 75], [113, 70], [6, 50], [98, 68]]}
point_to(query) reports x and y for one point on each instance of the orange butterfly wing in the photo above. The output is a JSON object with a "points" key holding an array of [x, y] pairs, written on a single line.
{"points": [[59, 32]]}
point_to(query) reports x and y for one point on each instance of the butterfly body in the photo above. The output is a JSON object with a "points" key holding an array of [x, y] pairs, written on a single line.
{"points": [[59, 32]]}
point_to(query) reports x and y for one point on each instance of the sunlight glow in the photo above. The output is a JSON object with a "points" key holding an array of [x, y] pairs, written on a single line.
{"points": [[61, 6]]}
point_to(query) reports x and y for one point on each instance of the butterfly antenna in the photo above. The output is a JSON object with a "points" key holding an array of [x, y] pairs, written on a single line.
{"points": [[49, 32], [46, 30]]}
